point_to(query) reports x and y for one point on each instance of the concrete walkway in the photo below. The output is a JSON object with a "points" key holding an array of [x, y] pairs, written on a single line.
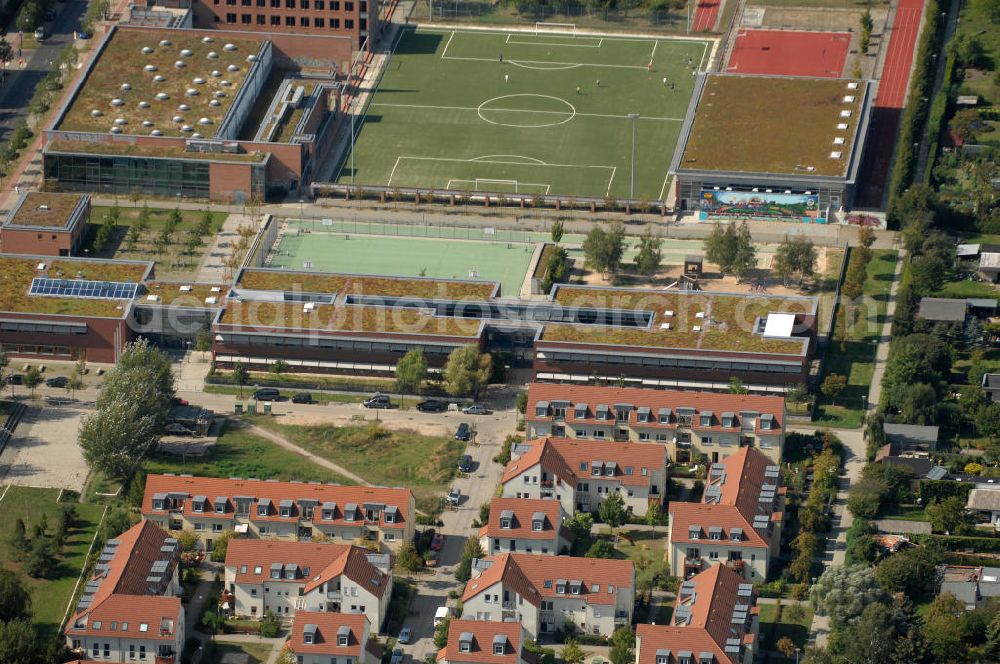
{"points": [[212, 269]]}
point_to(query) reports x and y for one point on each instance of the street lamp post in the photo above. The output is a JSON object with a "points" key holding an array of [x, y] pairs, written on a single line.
{"points": [[351, 110], [631, 191]]}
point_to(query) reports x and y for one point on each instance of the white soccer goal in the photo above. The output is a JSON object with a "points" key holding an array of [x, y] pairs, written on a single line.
{"points": [[548, 27]]}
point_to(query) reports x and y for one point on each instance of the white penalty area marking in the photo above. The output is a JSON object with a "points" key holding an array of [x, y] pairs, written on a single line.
{"points": [[600, 42], [445, 51], [522, 110], [547, 65], [5, 490], [484, 160], [518, 185], [527, 160]]}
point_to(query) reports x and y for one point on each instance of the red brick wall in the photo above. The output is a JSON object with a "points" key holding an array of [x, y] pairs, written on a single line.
{"points": [[229, 182], [35, 241], [97, 345]]}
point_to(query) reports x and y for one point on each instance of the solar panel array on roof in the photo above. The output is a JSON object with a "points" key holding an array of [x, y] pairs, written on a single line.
{"points": [[713, 493], [101, 290], [745, 590]]}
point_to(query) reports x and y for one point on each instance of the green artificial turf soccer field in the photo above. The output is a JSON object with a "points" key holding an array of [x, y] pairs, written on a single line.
{"points": [[448, 114]]}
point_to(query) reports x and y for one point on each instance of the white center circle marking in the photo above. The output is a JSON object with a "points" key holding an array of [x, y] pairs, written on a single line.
{"points": [[570, 113]]}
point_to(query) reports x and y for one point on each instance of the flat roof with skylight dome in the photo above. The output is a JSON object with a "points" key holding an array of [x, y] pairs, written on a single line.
{"points": [[163, 83]]}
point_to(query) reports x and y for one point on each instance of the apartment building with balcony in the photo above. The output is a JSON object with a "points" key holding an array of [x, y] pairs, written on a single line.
{"points": [[687, 423], [286, 577], [322, 638], [525, 525], [737, 523], [543, 593], [291, 511], [130, 609], [582, 473], [477, 642], [715, 621]]}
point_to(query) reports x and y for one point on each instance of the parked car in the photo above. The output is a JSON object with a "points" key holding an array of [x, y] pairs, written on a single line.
{"points": [[266, 394], [303, 397], [39, 34], [464, 432], [177, 401], [454, 496], [15, 379], [438, 542], [432, 406], [57, 381], [404, 636], [176, 429], [377, 401], [476, 409], [440, 615], [82, 34], [465, 463], [397, 656]]}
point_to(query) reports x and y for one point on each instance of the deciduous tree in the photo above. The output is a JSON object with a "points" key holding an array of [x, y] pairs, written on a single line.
{"points": [[647, 260], [411, 370], [467, 371], [833, 386], [842, 593], [603, 249], [15, 600]]}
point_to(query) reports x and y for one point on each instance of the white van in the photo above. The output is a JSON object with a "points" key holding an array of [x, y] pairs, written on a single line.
{"points": [[442, 613]]}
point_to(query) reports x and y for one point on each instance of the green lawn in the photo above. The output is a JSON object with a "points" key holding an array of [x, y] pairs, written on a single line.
{"points": [[172, 262], [523, 113], [961, 289], [905, 513], [258, 652], [240, 454], [647, 554], [49, 597], [424, 464], [851, 353], [795, 627]]}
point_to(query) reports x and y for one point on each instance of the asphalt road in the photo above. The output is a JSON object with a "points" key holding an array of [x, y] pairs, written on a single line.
{"points": [[20, 84]]}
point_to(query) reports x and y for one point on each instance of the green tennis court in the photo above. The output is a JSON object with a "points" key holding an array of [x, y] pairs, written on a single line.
{"points": [[406, 257]]}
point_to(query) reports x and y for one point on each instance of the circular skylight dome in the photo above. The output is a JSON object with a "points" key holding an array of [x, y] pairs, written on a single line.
{"points": [[204, 121], [150, 67], [165, 42], [187, 129], [147, 50], [126, 86], [216, 73], [251, 58], [180, 64], [191, 92], [230, 47], [186, 52], [143, 104], [117, 102], [207, 40], [178, 119], [121, 121], [159, 78], [156, 132], [215, 102], [212, 55], [199, 81], [96, 113], [116, 130], [162, 96], [220, 94], [195, 135], [147, 123], [233, 68]]}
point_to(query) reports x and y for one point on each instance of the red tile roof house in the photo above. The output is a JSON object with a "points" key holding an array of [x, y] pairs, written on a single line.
{"points": [[130, 610], [286, 577], [543, 592], [581, 473], [285, 510], [525, 525], [710, 423], [715, 621], [738, 522], [478, 642], [322, 638]]}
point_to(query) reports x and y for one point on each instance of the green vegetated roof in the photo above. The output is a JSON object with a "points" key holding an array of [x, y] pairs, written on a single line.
{"points": [[166, 151], [278, 280], [16, 274], [45, 209], [183, 295], [123, 63], [759, 124], [726, 323], [331, 318]]}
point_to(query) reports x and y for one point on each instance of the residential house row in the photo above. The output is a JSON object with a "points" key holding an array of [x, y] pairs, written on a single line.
{"points": [[282, 578], [715, 621], [479, 642], [331, 638], [543, 593], [687, 423], [292, 511], [130, 609], [737, 523], [580, 474], [525, 525]]}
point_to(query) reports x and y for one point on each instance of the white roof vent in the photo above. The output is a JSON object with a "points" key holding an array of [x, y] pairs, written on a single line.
{"points": [[211, 300], [165, 42], [207, 40], [153, 298], [216, 289], [147, 123], [215, 102], [159, 78], [220, 94], [183, 108], [187, 128], [853, 85], [121, 121], [230, 47], [41, 266], [156, 132], [845, 113], [848, 99], [178, 118], [212, 55], [116, 130], [162, 96], [180, 64], [224, 83], [842, 125], [143, 104], [43, 206], [204, 121], [839, 140], [836, 154], [251, 58], [696, 328], [96, 113], [186, 53], [195, 135], [233, 68], [216, 73], [199, 81], [191, 92], [185, 289]]}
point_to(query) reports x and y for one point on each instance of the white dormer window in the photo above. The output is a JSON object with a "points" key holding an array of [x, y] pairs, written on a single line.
{"points": [[706, 420], [286, 512], [307, 638], [158, 505], [661, 659], [341, 639], [765, 423], [498, 649], [596, 471], [328, 515], [536, 525], [609, 471], [465, 646], [262, 510], [727, 422], [560, 588], [505, 523]]}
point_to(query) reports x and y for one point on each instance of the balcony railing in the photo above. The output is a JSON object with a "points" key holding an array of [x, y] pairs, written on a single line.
{"points": [[547, 484]]}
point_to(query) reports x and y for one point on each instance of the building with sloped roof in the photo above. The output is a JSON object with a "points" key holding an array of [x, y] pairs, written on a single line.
{"points": [[715, 621], [688, 423], [294, 511], [737, 523], [130, 609], [580, 474], [285, 577], [542, 593], [479, 642], [525, 525], [321, 638]]}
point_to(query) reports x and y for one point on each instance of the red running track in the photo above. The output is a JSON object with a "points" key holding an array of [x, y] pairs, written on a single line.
{"points": [[706, 13], [889, 103], [790, 53]]}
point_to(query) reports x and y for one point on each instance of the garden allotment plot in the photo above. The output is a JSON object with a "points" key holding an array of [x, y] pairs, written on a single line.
{"points": [[526, 113]]}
